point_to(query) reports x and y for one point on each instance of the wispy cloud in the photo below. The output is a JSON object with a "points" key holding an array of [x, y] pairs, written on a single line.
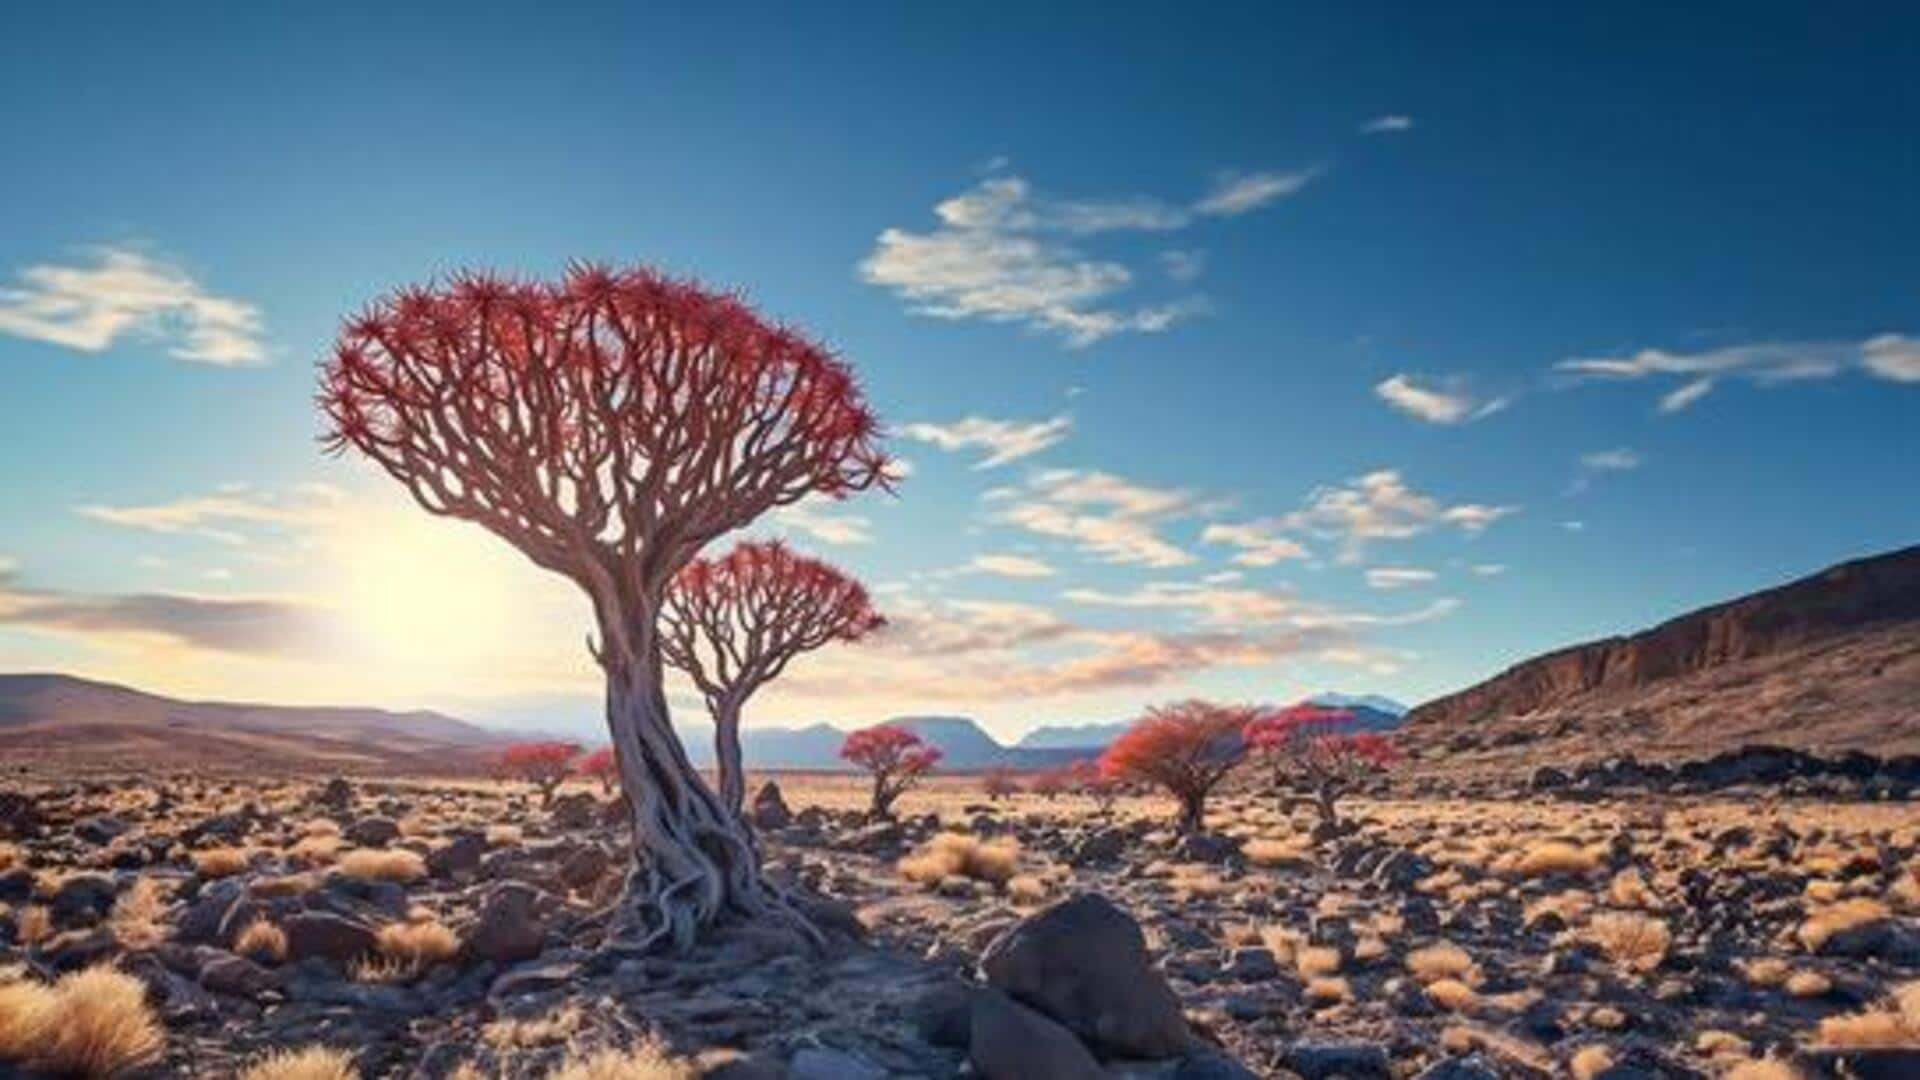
{"points": [[1390, 124], [1447, 401], [246, 625], [1001, 252], [1618, 459], [812, 519], [1013, 566], [227, 516], [1003, 441], [1110, 518], [1242, 608], [1894, 357], [1260, 543], [1397, 577], [89, 306], [1382, 506], [1234, 194]]}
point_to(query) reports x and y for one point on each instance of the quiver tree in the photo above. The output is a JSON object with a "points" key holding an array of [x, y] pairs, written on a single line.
{"points": [[999, 783], [733, 623], [610, 426], [1187, 748], [1311, 750], [600, 765], [895, 757], [542, 764]]}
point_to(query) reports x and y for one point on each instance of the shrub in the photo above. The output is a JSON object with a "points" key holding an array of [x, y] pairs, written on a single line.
{"points": [[261, 941], [1894, 1023], [896, 759], [543, 764], [383, 864], [1590, 1061], [647, 1062], [1452, 995], [1328, 991], [1632, 942], [1807, 984], [1187, 748], [93, 1022], [999, 784], [1309, 748], [1312, 960], [308, 1063], [958, 854]]}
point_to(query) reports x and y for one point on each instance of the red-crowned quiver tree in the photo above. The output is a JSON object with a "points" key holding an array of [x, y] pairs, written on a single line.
{"points": [[542, 764], [733, 623], [1314, 750], [895, 757], [1187, 748], [611, 425]]}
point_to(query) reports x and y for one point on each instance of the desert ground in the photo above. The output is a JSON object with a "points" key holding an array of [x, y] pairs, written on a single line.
{"points": [[301, 927]]}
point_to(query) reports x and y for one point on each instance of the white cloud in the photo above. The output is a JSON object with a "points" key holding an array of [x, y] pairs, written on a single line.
{"points": [[1260, 543], [1447, 402], [1251, 609], [1014, 566], [808, 518], [222, 516], [1003, 440], [1390, 124], [1112, 519], [1618, 459], [1183, 265], [1237, 193], [997, 253], [1397, 577], [1380, 506], [89, 307], [1894, 357], [1492, 569]]}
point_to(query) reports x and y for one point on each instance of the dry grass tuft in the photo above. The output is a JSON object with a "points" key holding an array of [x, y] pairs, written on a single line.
{"points": [[261, 941], [1555, 857], [1452, 994], [1443, 960], [1316, 960], [550, 1029], [1328, 991], [36, 924], [641, 1063], [1762, 1069], [309, 1063], [958, 854], [10, 857], [1840, 916], [1026, 889], [220, 862], [1894, 1023], [138, 919], [504, 835], [1766, 971], [1269, 852], [1808, 984], [94, 1022], [1590, 1061], [421, 944], [384, 864], [1629, 889], [1632, 942]]}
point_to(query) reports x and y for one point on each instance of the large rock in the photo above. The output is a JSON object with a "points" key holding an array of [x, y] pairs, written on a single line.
{"points": [[82, 900], [373, 832], [575, 810], [460, 854], [1084, 963], [770, 808], [1009, 1041], [511, 926], [325, 936]]}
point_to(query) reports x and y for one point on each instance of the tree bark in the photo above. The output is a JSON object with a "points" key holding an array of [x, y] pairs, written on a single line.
{"points": [[1193, 811], [694, 862], [726, 756]]}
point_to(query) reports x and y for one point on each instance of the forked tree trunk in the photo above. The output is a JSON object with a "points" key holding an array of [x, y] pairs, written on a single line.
{"points": [[1193, 812], [694, 862]]}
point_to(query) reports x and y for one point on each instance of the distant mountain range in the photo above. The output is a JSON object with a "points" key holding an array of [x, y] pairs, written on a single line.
{"points": [[60, 716], [1830, 661]]}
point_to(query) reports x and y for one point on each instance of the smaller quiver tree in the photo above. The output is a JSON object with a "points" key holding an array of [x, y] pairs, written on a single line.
{"points": [[999, 783], [543, 764], [896, 759], [1312, 752], [601, 765], [733, 623], [1187, 748]]}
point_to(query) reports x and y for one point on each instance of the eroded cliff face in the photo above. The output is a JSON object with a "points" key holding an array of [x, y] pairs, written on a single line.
{"points": [[1842, 600]]}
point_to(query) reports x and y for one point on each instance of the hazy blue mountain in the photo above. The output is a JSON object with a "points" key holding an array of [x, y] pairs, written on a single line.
{"points": [[1073, 736], [1375, 702]]}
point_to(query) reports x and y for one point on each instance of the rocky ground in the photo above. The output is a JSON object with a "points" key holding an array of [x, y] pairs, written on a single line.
{"points": [[438, 930]]}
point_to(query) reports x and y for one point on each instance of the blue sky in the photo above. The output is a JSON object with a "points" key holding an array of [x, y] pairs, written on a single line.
{"points": [[1375, 349]]}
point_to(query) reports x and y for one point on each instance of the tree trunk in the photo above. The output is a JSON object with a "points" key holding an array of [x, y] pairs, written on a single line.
{"points": [[1193, 813], [726, 756], [694, 863], [1324, 800]]}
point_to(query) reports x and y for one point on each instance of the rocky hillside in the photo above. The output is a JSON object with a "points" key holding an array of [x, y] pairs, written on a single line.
{"points": [[1830, 661]]}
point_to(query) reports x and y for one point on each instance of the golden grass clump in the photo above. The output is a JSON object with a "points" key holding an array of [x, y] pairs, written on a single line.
{"points": [[1629, 889], [958, 854], [307, 1063], [94, 1022], [138, 918], [1607, 1017], [421, 944], [1632, 942], [1265, 851], [1555, 857], [1328, 991], [1716, 1043], [1026, 889], [316, 849], [1808, 984], [1316, 960], [36, 924], [10, 857], [1835, 918], [1766, 971], [1895, 1023], [503, 835], [219, 862], [648, 1062], [261, 941], [545, 1030], [1762, 1069], [1590, 1061], [1443, 960], [383, 864], [1452, 995]]}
